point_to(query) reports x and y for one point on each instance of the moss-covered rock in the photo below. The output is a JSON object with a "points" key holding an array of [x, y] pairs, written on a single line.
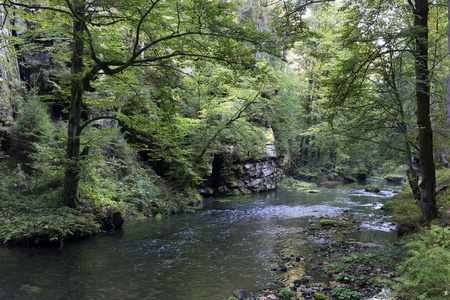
{"points": [[349, 178], [320, 296], [394, 178], [372, 188]]}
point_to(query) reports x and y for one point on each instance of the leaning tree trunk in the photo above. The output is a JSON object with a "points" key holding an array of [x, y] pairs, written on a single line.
{"points": [[72, 178], [427, 186]]}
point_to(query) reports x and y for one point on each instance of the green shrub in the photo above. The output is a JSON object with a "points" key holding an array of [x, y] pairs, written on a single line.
{"points": [[286, 293], [33, 128], [425, 273], [361, 280], [343, 292], [320, 296]]}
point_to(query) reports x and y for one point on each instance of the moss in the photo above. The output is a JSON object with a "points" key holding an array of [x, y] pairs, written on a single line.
{"points": [[294, 184], [333, 223], [405, 212], [320, 296]]}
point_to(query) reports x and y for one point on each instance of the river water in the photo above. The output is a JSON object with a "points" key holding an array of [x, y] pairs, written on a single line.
{"points": [[226, 245]]}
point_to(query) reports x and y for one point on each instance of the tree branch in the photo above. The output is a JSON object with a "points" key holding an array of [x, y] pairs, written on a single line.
{"points": [[96, 119], [30, 6], [302, 6], [236, 116], [138, 29]]}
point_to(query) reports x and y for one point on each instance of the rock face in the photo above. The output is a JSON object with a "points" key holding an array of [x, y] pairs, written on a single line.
{"points": [[11, 91], [232, 174]]}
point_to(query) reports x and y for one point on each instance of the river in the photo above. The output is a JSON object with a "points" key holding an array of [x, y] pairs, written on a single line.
{"points": [[226, 245]]}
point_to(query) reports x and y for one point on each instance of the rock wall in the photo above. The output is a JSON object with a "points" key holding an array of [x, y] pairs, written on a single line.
{"points": [[11, 90], [233, 175]]}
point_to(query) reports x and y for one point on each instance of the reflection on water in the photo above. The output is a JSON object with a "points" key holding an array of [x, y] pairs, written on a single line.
{"points": [[226, 246]]}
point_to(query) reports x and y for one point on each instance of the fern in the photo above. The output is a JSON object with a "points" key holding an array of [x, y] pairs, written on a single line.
{"points": [[426, 272]]}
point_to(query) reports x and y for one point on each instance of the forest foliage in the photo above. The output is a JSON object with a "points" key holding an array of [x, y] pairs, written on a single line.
{"points": [[139, 96]]}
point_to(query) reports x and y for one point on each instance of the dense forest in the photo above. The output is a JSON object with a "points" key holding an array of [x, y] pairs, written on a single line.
{"points": [[139, 108], [125, 109]]}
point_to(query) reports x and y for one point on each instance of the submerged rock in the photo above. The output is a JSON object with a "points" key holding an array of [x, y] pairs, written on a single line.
{"points": [[112, 220]]}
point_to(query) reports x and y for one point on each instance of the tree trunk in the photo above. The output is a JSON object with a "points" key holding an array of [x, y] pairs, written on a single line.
{"points": [[427, 186], [448, 85], [72, 178]]}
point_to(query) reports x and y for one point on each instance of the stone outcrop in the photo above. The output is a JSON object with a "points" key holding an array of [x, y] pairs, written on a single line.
{"points": [[232, 174]]}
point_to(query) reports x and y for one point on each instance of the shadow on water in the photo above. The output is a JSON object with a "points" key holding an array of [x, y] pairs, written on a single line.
{"points": [[227, 245]]}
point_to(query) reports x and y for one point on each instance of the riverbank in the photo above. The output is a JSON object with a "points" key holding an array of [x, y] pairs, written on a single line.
{"points": [[227, 245], [32, 212], [349, 269], [415, 267]]}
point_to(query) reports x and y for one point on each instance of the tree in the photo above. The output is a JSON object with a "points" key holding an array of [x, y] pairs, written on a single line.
{"points": [[425, 131], [448, 85], [366, 88], [109, 37]]}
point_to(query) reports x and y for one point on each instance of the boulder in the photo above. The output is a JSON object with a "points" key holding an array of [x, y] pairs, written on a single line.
{"points": [[112, 220], [372, 188], [349, 178], [394, 178], [240, 294]]}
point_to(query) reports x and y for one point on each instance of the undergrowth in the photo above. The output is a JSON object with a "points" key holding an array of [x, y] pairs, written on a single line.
{"points": [[112, 179], [425, 274]]}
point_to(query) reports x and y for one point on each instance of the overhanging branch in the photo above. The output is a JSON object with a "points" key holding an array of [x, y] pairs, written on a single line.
{"points": [[96, 119]]}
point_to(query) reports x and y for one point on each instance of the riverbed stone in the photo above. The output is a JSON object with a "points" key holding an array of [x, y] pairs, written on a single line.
{"points": [[240, 294]]}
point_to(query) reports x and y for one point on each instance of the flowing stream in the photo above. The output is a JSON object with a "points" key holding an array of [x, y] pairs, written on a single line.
{"points": [[225, 246]]}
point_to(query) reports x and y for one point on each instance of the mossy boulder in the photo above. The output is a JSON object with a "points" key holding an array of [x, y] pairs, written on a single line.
{"points": [[359, 174], [394, 178], [372, 188], [320, 296], [349, 178]]}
